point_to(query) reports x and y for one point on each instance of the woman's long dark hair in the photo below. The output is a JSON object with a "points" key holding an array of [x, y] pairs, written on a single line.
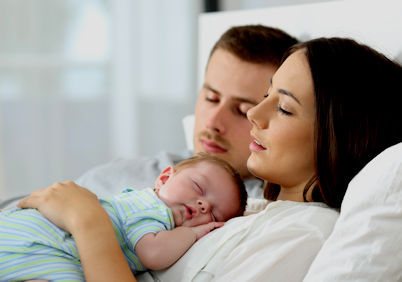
{"points": [[357, 91]]}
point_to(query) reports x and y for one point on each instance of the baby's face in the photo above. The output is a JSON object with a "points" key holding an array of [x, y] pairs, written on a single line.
{"points": [[199, 194]]}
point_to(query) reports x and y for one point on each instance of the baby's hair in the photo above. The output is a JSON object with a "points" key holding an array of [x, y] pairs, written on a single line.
{"points": [[201, 157]]}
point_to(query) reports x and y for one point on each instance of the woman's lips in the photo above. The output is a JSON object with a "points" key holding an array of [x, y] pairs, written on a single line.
{"points": [[256, 146], [212, 147]]}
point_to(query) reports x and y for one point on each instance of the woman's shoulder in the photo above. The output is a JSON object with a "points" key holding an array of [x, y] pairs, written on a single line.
{"points": [[309, 216], [311, 211]]}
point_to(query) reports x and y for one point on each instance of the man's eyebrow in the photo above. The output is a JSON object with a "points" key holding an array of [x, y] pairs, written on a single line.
{"points": [[209, 87], [286, 92], [238, 99]]}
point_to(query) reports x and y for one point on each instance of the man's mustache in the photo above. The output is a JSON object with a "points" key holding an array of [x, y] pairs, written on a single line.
{"points": [[214, 137]]}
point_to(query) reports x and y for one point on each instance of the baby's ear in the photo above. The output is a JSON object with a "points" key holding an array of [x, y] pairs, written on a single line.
{"points": [[163, 177]]}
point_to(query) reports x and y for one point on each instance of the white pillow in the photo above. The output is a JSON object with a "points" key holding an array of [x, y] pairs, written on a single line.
{"points": [[366, 243], [188, 127]]}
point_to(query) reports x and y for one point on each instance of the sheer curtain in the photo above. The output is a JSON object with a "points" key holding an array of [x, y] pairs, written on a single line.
{"points": [[82, 82]]}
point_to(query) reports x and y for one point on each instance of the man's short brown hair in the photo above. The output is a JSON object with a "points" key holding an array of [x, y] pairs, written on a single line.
{"points": [[255, 43]]}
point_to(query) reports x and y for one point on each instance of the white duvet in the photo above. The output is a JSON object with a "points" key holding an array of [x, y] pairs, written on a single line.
{"points": [[278, 243]]}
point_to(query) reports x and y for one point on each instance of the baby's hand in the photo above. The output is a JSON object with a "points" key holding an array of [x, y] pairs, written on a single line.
{"points": [[201, 230]]}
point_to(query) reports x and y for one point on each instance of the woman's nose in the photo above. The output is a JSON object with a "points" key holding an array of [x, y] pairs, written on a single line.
{"points": [[203, 206], [257, 118]]}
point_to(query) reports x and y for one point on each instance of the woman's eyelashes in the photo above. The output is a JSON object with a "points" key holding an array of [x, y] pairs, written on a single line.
{"points": [[279, 108], [283, 111]]}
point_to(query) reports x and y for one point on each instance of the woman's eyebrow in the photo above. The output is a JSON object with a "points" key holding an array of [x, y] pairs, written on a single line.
{"points": [[286, 92]]}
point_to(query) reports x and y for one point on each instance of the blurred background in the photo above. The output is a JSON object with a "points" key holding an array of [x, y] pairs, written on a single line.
{"points": [[86, 81]]}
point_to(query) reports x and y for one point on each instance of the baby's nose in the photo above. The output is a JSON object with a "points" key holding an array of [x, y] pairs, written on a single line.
{"points": [[203, 205]]}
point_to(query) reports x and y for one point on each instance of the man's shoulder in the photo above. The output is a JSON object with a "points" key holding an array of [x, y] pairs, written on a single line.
{"points": [[112, 177], [254, 187], [162, 158]]}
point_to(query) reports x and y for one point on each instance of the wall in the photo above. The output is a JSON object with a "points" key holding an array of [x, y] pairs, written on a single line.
{"points": [[378, 24], [83, 82]]}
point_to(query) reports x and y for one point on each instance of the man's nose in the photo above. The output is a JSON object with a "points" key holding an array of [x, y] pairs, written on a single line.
{"points": [[216, 121], [203, 206]]}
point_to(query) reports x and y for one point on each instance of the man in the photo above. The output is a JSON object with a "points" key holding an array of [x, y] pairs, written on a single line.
{"points": [[236, 78]]}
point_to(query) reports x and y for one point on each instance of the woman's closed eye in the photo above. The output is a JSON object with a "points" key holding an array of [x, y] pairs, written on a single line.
{"points": [[283, 111], [280, 109], [269, 90]]}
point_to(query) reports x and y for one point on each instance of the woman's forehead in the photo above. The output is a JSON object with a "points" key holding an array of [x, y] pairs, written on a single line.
{"points": [[294, 75]]}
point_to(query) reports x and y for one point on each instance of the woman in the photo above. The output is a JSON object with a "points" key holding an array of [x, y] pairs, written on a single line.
{"points": [[331, 108]]}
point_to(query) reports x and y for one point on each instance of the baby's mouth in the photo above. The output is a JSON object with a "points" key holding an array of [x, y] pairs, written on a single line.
{"points": [[190, 212]]}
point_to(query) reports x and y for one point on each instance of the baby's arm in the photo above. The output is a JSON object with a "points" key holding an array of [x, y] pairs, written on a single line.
{"points": [[160, 250]]}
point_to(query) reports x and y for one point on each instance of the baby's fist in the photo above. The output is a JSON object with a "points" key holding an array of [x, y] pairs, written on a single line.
{"points": [[201, 230]]}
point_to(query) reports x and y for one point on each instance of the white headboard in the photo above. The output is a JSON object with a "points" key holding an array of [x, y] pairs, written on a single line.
{"points": [[375, 23]]}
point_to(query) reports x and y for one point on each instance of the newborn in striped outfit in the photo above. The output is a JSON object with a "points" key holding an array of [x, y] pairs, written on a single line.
{"points": [[154, 227]]}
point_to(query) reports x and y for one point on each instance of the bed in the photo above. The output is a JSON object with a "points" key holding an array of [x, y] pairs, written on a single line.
{"points": [[365, 243]]}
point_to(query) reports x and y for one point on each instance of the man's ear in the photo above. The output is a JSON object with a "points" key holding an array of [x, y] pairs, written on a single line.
{"points": [[163, 177]]}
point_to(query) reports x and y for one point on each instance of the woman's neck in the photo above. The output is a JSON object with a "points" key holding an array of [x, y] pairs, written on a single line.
{"points": [[295, 194]]}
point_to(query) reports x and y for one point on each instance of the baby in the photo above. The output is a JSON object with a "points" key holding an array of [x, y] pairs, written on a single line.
{"points": [[155, 227]]}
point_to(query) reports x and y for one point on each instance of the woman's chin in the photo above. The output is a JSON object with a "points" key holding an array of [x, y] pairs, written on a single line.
{"points": [[254, 168]]}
